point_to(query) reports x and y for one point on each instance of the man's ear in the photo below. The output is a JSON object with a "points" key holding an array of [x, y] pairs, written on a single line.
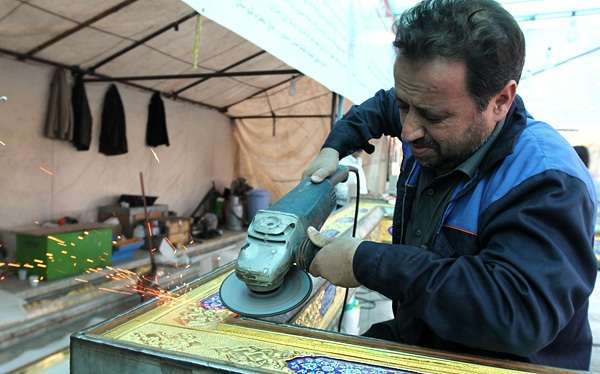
{"points": [[501, 102]]}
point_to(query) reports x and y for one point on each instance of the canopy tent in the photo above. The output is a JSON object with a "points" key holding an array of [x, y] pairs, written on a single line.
{"points": [[140, 38], [117, 38], [150, 44]]}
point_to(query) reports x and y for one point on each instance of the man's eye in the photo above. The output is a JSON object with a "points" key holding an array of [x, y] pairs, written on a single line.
{"points": [[433, 119]]}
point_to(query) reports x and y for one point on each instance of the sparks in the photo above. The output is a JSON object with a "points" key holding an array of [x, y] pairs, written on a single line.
{"points": [[114, 291], [2, 264], [64, 252], [46, 170], [14, 265], [38, 261], [81, 280], [56, 239], [155, 156], [28, 266], [2, 143], [89, 260], [40, 265]]}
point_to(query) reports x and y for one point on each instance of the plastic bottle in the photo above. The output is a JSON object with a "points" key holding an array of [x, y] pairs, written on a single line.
{"points": [[351, 321]]}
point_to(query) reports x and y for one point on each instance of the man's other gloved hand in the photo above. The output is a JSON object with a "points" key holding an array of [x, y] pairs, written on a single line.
{"points": [[334, 260], [323, 166]]}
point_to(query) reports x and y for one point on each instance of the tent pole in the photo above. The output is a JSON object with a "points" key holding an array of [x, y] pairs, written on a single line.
{"points": [[177, 92], [333, 111], [77, 69], [141, 41], [79, 27], [225, 108], [284, 116], [198, 75]]}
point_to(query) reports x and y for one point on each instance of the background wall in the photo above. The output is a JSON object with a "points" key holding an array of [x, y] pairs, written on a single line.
{"points": [[201, 151]]}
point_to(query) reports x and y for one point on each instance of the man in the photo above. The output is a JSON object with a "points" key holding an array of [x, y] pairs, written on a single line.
{"points": [[493, 225]]}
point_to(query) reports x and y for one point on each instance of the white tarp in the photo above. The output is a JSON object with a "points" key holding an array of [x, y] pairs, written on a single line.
{"points": [[562, 63], [344, 45]]}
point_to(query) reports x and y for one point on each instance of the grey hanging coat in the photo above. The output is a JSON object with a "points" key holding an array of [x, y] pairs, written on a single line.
{"points": [[59, 115]]}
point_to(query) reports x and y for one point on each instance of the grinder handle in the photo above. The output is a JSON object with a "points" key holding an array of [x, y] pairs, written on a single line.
{"points": [[307, 250], [339, 175]]}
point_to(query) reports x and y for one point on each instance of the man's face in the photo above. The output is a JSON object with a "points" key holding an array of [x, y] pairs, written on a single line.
{"points": [[440, 120]]}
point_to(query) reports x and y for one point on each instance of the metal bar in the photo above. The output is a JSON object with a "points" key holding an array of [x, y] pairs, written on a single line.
{"points": [[44, 61], [565, 61], [196, 75], [149, 240], [225, 108], [80, 26], [141, 41], [333, 111], [285, 116], [340, 106], [177, 92]]}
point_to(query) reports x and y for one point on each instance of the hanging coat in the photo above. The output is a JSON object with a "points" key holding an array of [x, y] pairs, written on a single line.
{"points": [[156, 129], [113, 134], [59, 116], [82, 116]]}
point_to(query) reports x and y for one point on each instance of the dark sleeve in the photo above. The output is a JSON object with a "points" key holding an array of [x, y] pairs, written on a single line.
{"points": [[535, 270], [375, 117]]}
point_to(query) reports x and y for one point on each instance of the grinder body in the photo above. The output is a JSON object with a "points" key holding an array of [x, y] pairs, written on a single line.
{"points": [[277, 238]]}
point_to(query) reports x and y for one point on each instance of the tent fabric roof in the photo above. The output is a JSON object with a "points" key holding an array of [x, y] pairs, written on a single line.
{"points": [[104, 28]]}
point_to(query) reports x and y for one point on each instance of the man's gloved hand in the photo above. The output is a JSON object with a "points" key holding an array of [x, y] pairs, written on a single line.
{"points": [[334, 261], [323, 166]]}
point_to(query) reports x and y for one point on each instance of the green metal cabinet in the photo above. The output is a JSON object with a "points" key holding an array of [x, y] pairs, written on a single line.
{"points": [[65, 251]]}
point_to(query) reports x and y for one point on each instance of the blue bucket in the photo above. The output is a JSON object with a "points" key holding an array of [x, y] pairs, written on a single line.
{"points": [[257, 199]]}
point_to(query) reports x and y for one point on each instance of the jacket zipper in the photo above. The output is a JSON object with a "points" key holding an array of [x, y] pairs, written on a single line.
{"points": [[466, 188], [404, 200]]}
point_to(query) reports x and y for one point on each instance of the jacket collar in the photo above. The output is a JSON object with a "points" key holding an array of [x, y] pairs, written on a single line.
{"points": [[504, 144]]}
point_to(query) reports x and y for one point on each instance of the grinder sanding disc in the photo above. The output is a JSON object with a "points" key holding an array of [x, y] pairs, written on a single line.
{"points": [[236, 296]]}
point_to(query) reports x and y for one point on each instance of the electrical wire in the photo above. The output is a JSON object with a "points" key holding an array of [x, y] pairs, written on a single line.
{"points": [[354, 225]]}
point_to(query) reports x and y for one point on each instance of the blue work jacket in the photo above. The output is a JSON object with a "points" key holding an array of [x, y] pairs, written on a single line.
{"points": [[511, 266]]}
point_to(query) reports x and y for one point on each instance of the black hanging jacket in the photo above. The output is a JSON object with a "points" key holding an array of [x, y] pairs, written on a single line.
{"points": [[82, 116], [156, 129], [113, 134]]}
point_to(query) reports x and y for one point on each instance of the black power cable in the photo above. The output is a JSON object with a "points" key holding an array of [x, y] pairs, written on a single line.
{"points": [[354, 225]]}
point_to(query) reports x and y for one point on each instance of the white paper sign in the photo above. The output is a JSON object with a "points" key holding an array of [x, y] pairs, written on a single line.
{"points": [[344, 45]]}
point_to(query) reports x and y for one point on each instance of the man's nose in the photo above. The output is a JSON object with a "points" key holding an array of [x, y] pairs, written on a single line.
{"points": [[411, 130]]}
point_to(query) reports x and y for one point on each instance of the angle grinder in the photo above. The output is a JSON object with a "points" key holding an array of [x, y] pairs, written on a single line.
{"points": [[271, 276]]}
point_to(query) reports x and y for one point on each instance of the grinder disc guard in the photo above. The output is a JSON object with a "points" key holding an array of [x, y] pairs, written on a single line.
{"points": [[295, 289]]}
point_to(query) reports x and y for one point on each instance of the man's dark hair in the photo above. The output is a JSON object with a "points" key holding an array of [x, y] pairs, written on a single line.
{"points": [[583, 154], [478, 32]]}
